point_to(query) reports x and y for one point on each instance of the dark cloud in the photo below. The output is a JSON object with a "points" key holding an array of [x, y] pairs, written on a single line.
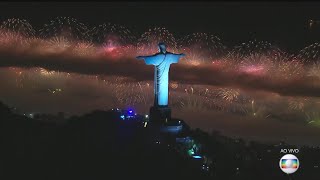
{"points": [[136, 69]]}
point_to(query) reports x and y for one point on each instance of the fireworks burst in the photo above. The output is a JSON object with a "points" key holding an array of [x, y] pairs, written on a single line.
{"points": [[229, 94], [66, 27], [193, 103], [174, 84], [310, 53], [256, 64], [194, 57], [107, 32], [287, 69], [59, 43], [148, 42], [206, 46], [297, 103], [314, 70], [83, 49], [253, 47], [55, 91], [45, 72], [19, 26], [19, 76], [131, 93], [257, 110], [313, 118], [113, 50], [12, 39], [195, 99]]}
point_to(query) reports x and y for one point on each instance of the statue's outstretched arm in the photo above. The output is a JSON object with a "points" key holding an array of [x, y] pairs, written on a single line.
{"points": [[182, 55], [141, 57], [144, 57]]}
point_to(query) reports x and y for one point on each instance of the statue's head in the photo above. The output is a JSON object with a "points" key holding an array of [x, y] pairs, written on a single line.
{"points": [[162, 48]]}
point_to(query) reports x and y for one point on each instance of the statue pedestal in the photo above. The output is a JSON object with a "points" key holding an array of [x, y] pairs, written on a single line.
{"points": [[160, 114]]}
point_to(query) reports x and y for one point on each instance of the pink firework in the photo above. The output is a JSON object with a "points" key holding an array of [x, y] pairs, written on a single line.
{"points": [[255, 64], [111, 49], [253, 69]]}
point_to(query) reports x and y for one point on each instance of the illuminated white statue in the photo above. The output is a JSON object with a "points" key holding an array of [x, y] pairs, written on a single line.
{"points": [[161, 62]]}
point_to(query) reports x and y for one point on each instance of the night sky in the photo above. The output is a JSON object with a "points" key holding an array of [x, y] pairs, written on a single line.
{"points": [[284, 24]]}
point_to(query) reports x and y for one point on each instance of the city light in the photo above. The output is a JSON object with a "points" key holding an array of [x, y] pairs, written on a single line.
{"points": [[197, 157]]}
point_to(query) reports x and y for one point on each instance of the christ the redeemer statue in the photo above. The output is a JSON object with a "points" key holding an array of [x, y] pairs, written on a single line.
{"points": [[161, 62]]}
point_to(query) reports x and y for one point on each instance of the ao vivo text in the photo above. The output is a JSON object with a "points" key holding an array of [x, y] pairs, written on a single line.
{"points": [[290, 151]]}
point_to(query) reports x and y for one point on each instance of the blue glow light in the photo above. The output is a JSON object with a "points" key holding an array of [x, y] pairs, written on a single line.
{"points": [[130, 112], [197, 157], [122, 116]]}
